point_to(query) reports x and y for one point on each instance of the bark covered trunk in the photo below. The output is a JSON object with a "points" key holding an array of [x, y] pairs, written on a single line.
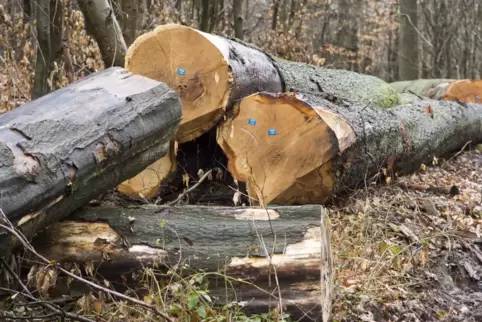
{"points": [[332, 148], [238, 19], [229, 70], [62, 150], [408, 41], [102, 24], [233, 240], [465, 90]]}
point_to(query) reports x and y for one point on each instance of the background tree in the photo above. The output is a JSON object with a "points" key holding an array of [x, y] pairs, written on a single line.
{"points": [[408, 47]]}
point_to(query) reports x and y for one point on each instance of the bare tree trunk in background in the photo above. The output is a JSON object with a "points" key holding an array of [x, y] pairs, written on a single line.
{"points": [[274, 21], [204, 23], [56, 33], [238, 19], [101, 23], [408, 41], [347, 35], [130, 10], [40, 85]]}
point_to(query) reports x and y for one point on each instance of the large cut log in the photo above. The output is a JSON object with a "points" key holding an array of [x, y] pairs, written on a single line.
{"points": [[463, 90], [66, 148], [227, 70], [304, 149], [232, 241]]}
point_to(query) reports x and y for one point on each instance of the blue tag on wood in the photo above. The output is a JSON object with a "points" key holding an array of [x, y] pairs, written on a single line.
{"points": [[181, 71], [251, 121], [271, 131]]}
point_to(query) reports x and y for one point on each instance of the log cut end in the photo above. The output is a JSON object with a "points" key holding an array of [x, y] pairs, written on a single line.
{"points": [[147, 184], [466, 91], [282, 147], [199, 72]]}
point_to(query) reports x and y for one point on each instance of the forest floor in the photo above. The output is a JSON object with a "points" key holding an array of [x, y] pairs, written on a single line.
{"points": [[411, 251]]}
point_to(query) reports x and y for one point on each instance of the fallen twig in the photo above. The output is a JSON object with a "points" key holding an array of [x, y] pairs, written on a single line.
{"points": [[190, 189]]}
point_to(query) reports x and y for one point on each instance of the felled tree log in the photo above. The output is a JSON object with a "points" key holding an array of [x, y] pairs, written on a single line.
{"points": [[66, 148], [465, 90], [228, 70], [305, 149], [232, 241]]}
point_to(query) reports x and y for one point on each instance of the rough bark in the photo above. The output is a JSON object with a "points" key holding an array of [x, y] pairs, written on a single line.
{"points": [[238, 19], [408, 41], [42, 65], [63, 150], [465, 90], [212, 239], [103, 26], [367, 140]]}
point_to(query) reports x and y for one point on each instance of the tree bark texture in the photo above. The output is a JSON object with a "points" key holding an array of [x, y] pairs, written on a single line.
{"points": [[338, 146], [463, 90], [408, 40], [102, 24], [66, 148], [233, 241]]}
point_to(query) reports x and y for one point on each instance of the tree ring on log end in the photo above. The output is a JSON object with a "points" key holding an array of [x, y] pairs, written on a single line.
{"points": [[188, 62], [281, 147]]}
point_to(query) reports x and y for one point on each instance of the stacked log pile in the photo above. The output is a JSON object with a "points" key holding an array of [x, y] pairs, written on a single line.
{"points": [[294, 134]]}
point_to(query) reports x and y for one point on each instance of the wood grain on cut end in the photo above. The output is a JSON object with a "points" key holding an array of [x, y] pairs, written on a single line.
{"points": [[282, 147], [147, 184], [189, 63]]}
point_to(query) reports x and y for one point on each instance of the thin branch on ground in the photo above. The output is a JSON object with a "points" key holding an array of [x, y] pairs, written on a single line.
{"points": [[175, 201]]}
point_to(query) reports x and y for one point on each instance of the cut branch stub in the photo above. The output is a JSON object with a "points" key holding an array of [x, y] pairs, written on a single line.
{"points": [[465, 90], [282, 147], [205, 69]]}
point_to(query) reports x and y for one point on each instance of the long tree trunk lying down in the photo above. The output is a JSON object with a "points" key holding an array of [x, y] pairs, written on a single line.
{"points": [[296, 150], [212, 239], [465, 90], [102, 24], [66, 148], [225, 70]]}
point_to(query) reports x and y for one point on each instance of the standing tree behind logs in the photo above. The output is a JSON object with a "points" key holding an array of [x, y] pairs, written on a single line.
{"points": [[464, 90], [233, 242], [66, 148], [211, 72], [305, 149]]}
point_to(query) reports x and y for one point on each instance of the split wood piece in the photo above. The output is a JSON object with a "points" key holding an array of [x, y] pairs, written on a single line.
{"points": [[208, 71], [68, 147], [465, 90], [305, 163], [147, 184], [212, 239]]}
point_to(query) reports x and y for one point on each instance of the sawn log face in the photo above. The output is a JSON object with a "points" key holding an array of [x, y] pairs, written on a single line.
{"points": [[62, 150]]}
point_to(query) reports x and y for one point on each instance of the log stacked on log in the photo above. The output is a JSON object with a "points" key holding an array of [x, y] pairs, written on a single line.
{"points": [[233, 241], [66, 148], [462, 90], [229, 70]]}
